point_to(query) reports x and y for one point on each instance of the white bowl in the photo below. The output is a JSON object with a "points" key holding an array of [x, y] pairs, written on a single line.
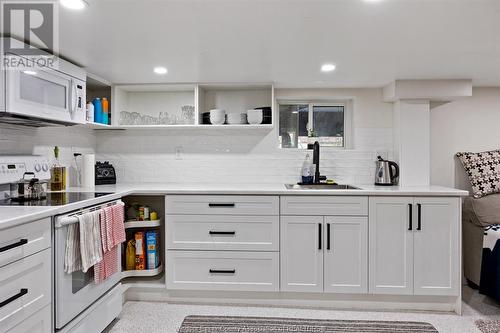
{"points": [[236, 118], [217, 116], [255, 117]]}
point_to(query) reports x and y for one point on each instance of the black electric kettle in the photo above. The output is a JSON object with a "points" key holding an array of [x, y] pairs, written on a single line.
{"points": [[386, 172]]}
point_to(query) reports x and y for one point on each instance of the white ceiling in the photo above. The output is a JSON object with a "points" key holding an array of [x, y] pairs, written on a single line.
{"points": [[286, 41]]}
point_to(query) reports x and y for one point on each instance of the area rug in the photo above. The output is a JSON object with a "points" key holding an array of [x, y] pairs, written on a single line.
{"points": [[488, 326], [215, 324]]}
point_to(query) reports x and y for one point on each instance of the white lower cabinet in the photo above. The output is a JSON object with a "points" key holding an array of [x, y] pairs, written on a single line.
{"points": [[324, 254], [436, 245], [222, 270], [391, 246], [25, 288], [414, 245], [301, 253], [346, 255], [394, 245], [40, 322]]}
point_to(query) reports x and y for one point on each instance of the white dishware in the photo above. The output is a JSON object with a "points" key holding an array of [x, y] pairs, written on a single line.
{"points": [[254, 117], [217, 116], [236, 118]]}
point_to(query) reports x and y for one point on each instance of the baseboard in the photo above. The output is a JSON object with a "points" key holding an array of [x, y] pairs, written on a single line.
{"points": [[300, 300]]}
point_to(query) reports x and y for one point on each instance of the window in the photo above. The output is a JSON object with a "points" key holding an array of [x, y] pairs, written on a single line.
{"points": [[302, 123]]}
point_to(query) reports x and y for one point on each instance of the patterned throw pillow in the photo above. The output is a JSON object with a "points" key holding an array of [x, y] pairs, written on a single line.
{"points": [[483, 170]]}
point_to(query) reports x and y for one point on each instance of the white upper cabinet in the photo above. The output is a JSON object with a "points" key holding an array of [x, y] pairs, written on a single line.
{"points": [[346, 254], [391, 246], [437, 246], [301, 253]]}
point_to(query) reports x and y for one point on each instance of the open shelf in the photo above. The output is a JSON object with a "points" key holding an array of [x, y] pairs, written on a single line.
{"points": [[143, 273], [170, 106], [233, 98], [98, 87], [98, 126], [179, 127], [142, 224], [154, 105]]}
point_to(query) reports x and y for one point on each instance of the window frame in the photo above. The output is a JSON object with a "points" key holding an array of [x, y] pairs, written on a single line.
{"points": [[345, 103]]}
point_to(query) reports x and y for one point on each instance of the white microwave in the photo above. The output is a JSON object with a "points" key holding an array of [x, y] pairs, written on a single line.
{"points": [[43, 96]]}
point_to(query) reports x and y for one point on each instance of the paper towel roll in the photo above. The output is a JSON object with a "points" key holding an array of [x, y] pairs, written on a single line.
{"points": [[88, 171]]}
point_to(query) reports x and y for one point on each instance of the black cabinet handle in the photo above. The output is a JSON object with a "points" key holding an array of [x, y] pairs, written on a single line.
{"points": [[212, 233], [410, 209], [328, 236], [14, 245], [319, 236], [419, 213], [228, 204], [20, 294], [222, 271]]}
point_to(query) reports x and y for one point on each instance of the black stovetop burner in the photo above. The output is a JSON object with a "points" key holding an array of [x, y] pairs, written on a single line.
{"points": [[56, 199]]}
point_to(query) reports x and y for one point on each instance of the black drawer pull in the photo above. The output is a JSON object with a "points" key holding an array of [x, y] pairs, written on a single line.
{"points": [[230, 233], [410, 208], [213, 205], [21, 293], [328, 236], [14, 245], [320, 238], [222, 271], [419, 219]]}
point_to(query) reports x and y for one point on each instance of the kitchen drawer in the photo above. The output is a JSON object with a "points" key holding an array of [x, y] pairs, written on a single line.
{"points": [[40, 322], [24, 240], [223, 270], [222, 232], [99, 315], [324, 205], [25, 288], [222, 204]]}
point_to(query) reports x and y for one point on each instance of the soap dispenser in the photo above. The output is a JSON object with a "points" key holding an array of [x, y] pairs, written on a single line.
{"points": [[307, 171]]}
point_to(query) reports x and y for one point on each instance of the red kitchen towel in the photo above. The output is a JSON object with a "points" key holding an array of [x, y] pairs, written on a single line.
{"points": [[103, 225], [112, 235], [118, 226], [107, 266]]}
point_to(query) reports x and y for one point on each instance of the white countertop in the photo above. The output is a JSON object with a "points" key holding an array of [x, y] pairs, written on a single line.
{"points": [[10, 216]]}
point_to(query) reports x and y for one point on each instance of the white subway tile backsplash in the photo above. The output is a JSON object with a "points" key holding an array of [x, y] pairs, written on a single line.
{"points": [[141, 156]]}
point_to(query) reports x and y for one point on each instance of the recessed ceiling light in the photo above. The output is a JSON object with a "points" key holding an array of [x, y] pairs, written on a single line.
{"points": [[160, 70], [29, 72], [328, 68], [74, 4]]}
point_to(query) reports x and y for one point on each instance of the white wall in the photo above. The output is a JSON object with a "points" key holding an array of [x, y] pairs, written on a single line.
{"points": [[41, 141], [470, 124], [242, 156], [249, 156]]}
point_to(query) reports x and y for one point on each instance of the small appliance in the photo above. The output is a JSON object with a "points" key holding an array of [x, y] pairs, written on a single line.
{"points": [[386, 172], [43, 96], [104, 173]]}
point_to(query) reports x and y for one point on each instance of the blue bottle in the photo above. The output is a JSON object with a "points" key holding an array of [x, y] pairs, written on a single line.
{"points": [[98, 114]]}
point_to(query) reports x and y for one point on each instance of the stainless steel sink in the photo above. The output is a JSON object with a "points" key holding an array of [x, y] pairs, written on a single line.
{"points": [[321, 187]]}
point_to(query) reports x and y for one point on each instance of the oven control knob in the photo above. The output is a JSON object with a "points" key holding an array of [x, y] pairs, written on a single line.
{"points": [[45, 167], [38, 167]]}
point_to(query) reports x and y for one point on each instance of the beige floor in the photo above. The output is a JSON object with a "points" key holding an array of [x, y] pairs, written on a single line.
{"points": [[154, 317]]}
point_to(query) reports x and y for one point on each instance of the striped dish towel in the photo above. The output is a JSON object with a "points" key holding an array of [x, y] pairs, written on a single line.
{"points": [[72, 255], [112, 235], [90, 239]]}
